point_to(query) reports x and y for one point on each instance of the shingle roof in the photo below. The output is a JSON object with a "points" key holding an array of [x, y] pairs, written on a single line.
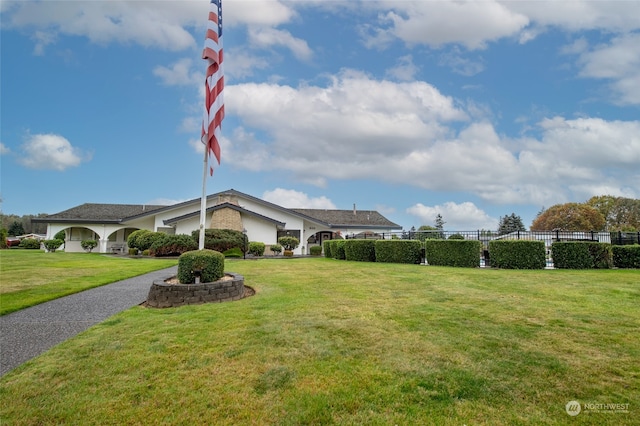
{"points": [[347, 218], [100, 213]]}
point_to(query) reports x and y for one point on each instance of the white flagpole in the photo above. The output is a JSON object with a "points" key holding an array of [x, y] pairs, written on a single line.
{"points": [[203, 199]]}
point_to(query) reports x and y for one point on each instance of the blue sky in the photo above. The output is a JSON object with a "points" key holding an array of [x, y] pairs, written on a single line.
{"points": [[471, 110]]}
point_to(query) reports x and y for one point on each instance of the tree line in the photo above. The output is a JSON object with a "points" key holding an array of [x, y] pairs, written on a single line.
{"points": [[599, 213], [21, 225]]}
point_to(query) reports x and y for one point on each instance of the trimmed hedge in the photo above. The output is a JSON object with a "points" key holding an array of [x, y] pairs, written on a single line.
{"points": [[315, 250], [172, 245], [626, 256], [209, 262], [360, 250], [581, 255], [337, 249], [326, 246], [398, 251], [460, 253], [518, 254], [221, 239]]}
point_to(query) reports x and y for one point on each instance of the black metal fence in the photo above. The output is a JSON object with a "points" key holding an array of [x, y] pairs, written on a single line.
{"points": [[549, 237]]}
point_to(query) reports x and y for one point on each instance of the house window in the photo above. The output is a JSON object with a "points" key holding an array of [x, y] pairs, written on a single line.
{"points": [[80, 234], [289, 233]]}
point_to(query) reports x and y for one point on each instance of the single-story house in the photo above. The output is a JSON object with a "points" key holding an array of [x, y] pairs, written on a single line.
{"points": [[111, 224]]}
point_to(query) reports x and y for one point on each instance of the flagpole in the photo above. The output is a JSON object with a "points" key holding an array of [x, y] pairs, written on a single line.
{"points": [[203, 198]]}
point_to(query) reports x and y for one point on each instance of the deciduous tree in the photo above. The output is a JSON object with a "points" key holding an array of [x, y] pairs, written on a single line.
{"points": [[569, 217]]}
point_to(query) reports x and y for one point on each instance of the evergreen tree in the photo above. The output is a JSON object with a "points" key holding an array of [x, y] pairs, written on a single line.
{"points": [[15, 229], [510, 223]]}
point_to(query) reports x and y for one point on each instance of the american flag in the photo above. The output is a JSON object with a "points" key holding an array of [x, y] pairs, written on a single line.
{"points": [[214, 83]]}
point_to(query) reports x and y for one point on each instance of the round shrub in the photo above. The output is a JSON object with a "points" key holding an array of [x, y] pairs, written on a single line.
{"points": [[29, 243], [172, 245], [132, 240], [456, 237], [276, 248], [52, 245], [60, 235], [289, 243], [210, 263], [256, 248], [88, 245]]}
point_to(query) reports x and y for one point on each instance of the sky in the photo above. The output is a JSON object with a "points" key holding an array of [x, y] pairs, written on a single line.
{"points": [[471, 110]]}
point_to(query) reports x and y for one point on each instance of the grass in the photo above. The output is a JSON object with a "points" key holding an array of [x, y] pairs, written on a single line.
{"points": [[30, 277], [337, 342]]}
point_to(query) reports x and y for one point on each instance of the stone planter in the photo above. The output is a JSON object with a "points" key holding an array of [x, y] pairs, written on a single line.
{"points": [[165, 294]]}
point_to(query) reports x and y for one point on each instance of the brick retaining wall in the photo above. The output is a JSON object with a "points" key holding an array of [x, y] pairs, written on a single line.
{"points": [[166, 295]]}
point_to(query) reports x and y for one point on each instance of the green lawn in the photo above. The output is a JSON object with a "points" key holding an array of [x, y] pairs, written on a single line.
{"points": [[30, 277], [337, 342]]}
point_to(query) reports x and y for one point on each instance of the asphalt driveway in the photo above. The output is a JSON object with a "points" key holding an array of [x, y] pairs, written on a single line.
{"points": [[28, 333]]}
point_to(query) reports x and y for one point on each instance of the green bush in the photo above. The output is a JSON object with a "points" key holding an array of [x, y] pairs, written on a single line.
{"points": [[398, 251], [221, 239], [209, 262], [360, 250], [143, 239], [30, 243], [52, 245], [3, 238], [326, 246], [132, 240], [172, 245], [256, 248], [233, 252], [337, 249], [289, 243], [276, 248], [315, 250], [453, 252], [517, 254], [88, 245], [60, 235], [456, 237], [581, 255], [626, 256]]}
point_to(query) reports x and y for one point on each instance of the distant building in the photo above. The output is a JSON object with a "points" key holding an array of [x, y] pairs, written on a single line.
{"points": [[111, 224]]}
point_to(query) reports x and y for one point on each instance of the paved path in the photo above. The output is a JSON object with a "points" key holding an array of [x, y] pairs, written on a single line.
{"points": [[28, 333]]}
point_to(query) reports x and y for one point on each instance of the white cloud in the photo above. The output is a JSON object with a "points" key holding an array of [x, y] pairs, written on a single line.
{"points": [[159, 24], [270, 37], [50, 152], [405, 69], [460, 217], [460, 64], [179, 74], [617, 61], [290, 198], [4, 149], [407, 133], [472, 24]]}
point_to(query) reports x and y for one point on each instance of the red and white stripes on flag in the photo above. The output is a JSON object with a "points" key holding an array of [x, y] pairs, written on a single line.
{"points": [[214, 83]]}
